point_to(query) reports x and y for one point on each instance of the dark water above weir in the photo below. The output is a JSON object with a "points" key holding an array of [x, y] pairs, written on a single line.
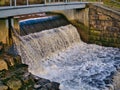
{"points": [[58, 54], [39, 24]]}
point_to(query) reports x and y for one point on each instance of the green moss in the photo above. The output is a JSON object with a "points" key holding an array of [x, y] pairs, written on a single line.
{"points": [[95, 36], [82, 30], [112, 4]]}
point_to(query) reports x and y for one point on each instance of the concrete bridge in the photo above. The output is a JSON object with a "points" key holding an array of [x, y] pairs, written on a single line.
{"points": [[45, 6], [16, 7]]}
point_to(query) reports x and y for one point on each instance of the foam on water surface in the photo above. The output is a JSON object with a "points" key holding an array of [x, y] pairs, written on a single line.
{"points": [[59, 55], [80, 67]]}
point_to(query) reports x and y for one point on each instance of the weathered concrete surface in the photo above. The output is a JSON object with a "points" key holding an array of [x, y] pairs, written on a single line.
{"points": [[80, 15], [19, 10]]}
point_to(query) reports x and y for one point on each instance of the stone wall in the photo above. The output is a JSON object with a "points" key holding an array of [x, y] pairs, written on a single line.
{"points": [[104, 25]]}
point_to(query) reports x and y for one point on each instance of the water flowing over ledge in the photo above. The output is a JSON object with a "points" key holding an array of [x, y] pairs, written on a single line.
{"points": [[58, 54], [28, 26]]}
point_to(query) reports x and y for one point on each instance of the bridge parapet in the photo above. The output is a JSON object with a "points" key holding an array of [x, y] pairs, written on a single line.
{"points": [[31, 2], [16, 7], [20, 10]]}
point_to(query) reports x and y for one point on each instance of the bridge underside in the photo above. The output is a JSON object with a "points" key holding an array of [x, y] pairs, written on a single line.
{"points": [[19, 10]]}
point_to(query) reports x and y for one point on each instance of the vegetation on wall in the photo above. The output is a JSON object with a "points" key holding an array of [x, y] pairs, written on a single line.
{"points": [[112, 3], [82, 30]]}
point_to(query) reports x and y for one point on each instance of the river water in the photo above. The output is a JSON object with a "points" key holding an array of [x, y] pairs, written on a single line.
{"points": [[59, 55]]}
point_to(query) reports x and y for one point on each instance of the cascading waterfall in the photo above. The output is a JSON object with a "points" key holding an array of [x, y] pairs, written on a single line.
{"points": [[58, 54], [37, 46]]}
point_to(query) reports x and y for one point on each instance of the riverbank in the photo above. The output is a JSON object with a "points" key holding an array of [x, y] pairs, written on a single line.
{"points": [[14, 75]]}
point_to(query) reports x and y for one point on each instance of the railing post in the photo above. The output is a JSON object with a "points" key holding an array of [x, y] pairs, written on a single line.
{"points": [[10, 2], [49, 1], [65, 1], [27, 2], [44, 1], [14, 2]]}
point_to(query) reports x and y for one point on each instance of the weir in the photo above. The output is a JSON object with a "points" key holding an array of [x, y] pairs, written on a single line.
{"points": [[39, 24], [59, 54]]}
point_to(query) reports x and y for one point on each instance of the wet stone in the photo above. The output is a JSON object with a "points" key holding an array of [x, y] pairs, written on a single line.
{"points": [[3, 65], [55, 85], [43, 89], [14, 83], [16, 76], [44, 84], [3, 87], [26, 77], [9, 60], [37, 86], [51, 86], [42, 81], [17, 59], [48, 86]]}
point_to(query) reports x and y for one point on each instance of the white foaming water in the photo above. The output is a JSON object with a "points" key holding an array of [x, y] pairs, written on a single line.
{"points": [[59, 55]]}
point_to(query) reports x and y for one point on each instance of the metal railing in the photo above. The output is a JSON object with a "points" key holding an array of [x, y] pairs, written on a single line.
{"points": [[31, 2], [118, 2]]}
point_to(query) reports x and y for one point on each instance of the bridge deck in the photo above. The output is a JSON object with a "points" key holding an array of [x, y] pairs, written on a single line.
{"points": [[18, 10], [8, 11]]}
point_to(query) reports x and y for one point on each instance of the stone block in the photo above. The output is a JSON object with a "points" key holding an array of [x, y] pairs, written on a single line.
{"points": [[103, 17], [9, 60], [17, 59], [14, 83], [112, 29], [3, 87], [3, 64]]}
